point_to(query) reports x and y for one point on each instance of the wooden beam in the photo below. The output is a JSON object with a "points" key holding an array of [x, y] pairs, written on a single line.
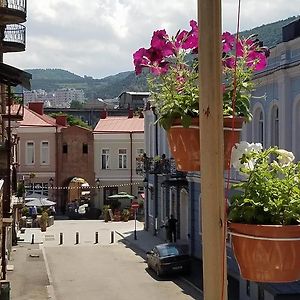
{"points": [[211, 141]]}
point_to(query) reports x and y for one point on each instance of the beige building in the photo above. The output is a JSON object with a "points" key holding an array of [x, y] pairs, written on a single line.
{"points": [[37, 151], [117, 143]]}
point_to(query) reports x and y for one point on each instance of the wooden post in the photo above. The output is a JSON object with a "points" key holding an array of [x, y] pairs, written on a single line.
{"points": [[211, 141]]}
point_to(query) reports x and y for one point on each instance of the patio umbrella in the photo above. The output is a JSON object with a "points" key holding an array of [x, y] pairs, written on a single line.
{"points": [[40, 202], [121, 195]]}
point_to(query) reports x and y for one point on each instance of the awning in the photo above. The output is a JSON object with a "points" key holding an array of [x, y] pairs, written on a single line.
{"points": [[12, 76], [121, 195], [40, 202]]}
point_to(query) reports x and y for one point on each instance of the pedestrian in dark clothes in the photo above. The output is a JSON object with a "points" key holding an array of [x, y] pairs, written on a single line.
{"points": [[172, 229]]}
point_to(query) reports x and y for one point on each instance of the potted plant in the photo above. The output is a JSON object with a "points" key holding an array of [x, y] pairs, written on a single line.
{"points": [[44, 221], [125, 214], [106, 212], [173, 83], [264, 214]]}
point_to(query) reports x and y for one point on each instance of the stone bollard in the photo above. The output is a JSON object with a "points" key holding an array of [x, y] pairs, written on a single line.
{"points": [[61, 238]]}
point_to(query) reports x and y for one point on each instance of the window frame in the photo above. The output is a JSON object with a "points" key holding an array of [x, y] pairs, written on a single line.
{"points": [[123, 158], [47, 161], [107, 159], [27, 153]]}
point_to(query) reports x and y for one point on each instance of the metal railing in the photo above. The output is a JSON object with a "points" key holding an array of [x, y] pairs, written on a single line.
{"points": [[152, 165], [16, 110], [20, 5], [15, 33]]}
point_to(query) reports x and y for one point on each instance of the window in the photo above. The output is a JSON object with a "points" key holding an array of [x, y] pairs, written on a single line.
{"points": [[258, 126], [30, 155], [108, 191], [85, 148], [105, 159], [140, 152], [44, 153], [122, 158], [261, 292], [248, 287], [275, 126], [37, 189], [65, 148], [261, 128]]}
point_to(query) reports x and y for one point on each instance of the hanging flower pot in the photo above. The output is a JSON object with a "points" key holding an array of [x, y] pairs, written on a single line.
{"points": [[264, 213], [185, 142], [267, 253]]}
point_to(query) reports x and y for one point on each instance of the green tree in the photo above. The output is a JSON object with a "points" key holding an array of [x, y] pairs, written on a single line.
{"points": [[72, 121], [76, 104]]}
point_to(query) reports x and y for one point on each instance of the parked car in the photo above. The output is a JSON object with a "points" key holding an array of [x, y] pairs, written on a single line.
{"points": [[169, 258]]}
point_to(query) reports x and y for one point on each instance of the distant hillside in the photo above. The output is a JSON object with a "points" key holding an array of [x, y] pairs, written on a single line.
{"points": [[112, 86], [53, 74]]}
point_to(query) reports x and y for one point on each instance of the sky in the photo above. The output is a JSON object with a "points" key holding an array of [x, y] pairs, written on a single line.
{"points": [[98, 37]]}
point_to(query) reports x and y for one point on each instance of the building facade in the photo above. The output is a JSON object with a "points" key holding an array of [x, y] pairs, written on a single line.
{"points": [[276, 109], [117, 143]]}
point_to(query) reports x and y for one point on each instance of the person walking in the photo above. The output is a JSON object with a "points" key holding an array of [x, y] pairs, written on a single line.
{"points": [[171, 227]]}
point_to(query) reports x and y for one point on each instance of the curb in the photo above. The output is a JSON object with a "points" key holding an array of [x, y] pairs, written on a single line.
{"points": [[50, 289], [144, 252]]}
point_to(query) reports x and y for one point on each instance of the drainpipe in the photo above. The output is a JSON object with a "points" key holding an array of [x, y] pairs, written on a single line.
{"points": [[155, 176], [131, 156]]}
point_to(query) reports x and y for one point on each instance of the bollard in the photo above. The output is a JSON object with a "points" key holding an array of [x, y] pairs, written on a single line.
{"points": [[77, 238], [96, 237], [112, 237], [61, 238], [32, 238]]}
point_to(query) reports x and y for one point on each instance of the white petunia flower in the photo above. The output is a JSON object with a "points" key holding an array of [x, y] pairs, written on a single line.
{"points": [[285, 157], [241, 148]]}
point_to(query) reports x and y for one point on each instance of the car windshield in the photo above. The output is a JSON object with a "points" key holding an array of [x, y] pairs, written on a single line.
{"points": [[170, 250]]}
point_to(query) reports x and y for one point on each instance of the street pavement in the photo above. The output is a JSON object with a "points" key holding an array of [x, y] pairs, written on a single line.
{"points": [[31, 277]]}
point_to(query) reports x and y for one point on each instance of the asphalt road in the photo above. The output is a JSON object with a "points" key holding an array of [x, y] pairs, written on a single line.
{"points": [[88, 271], [108, 272]]}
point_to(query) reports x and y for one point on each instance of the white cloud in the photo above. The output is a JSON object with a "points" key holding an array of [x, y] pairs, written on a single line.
{"points": [[98, 37]]}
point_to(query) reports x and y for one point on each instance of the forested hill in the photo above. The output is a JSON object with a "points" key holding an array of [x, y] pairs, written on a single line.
{"points": [[112, 86]]}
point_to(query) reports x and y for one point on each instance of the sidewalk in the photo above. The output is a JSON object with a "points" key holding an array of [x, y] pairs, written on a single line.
{"points": [[146, 241]]}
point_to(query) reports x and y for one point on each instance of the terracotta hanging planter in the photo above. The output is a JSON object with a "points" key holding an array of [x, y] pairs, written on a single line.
{"points": [[267, 253], [185, 143]]}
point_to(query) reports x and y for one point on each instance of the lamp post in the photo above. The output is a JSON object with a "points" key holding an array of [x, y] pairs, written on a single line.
{"points": [[98, 187], [51, 181]]}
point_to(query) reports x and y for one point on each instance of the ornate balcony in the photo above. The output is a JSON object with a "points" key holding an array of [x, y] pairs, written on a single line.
{"points": [[152, 165], [12, 11], [14, 38]]}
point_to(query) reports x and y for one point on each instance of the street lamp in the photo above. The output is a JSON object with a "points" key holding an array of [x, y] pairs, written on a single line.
{"points": [[51, 181], [98, 187]]}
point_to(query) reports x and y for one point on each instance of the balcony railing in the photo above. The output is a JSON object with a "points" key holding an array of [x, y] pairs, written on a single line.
{"points": [[152, 165], [13, 11], [15, 111], [14, 38]]}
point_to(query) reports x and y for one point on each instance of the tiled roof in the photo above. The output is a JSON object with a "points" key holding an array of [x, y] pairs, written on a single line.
{"points": [[120, 124], [32, 118]]}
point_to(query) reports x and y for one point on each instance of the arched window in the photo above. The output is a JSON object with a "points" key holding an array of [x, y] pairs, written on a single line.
{"points": [[275, 126], [258, 126], [261, 128]]}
